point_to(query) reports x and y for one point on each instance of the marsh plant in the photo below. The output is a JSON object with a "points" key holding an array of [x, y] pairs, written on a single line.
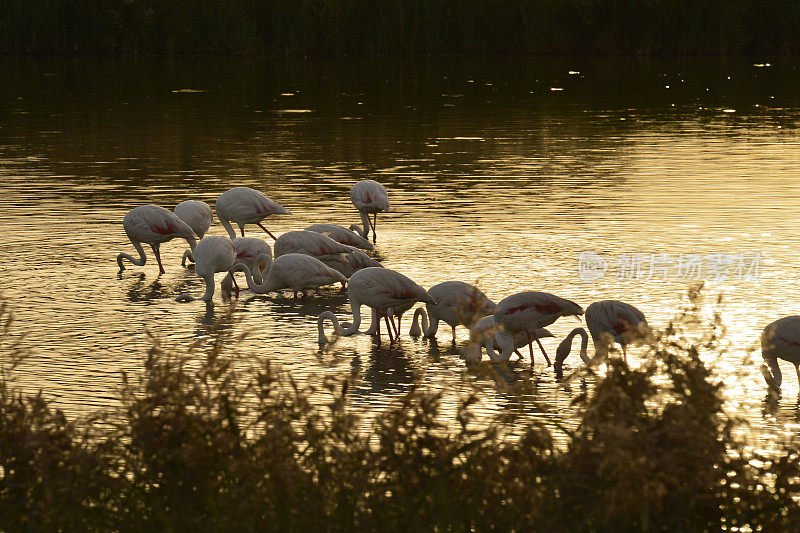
{"points": [[210, 439]]}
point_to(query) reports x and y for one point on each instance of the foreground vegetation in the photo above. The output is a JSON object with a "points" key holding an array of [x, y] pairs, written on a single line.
{"points": [[322, 27], [211, 440]]}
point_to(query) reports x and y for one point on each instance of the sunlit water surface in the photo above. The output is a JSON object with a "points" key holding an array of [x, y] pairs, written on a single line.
{"points": [[499, 171]]}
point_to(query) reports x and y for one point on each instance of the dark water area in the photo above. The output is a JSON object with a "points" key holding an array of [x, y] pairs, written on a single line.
{"points": [[500, 170]]}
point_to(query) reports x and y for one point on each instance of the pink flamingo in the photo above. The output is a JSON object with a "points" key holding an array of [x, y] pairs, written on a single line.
{"points": [[609, 321], [153, 225], [530, 310], [244, 205], [380, 289], [458, 303], [368, 196]]}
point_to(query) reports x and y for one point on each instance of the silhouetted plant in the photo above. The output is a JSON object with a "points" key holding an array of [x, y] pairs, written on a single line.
{"points": [[209, 439]]}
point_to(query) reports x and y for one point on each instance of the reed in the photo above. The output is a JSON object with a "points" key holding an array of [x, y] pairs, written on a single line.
{"points": [[210, 439], [353, 27]]}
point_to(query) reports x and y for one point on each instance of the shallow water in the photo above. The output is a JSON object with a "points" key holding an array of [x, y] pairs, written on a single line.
{"points": [[499, 170]]}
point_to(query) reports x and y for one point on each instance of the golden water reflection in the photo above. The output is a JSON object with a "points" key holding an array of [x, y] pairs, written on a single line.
{"points": [[493, 179]]}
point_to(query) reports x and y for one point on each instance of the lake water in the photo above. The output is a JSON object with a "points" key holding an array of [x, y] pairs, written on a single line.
{"points": [[500, 171]]}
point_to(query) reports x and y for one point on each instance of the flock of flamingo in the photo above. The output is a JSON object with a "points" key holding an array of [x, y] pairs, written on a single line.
{"points": [[325, 254]]}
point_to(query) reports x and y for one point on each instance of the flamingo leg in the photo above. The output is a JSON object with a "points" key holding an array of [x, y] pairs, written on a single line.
{"points": [[517, 352], [157, 253], [388, 329], [241, 228], [454, 334], [233, 278], [530, 347], [396, 326], [542, 348], [625, 356], [265, 229], [374, 225]]}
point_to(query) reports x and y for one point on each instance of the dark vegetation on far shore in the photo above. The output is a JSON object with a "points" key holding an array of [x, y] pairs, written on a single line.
{"points": [[349, 27], [211, 440]]}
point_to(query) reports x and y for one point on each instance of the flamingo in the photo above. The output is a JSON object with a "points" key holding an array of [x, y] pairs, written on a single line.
{"points": [[378, 288], [484, 333], [309, 243], [244, 205], [368, 196], [609, 321], [459, 303], [248, 249], [341, 235], [198, 216], [298, 272], [780, 340], [351, 262], [530, 310], [212, 254], [153, 225]]}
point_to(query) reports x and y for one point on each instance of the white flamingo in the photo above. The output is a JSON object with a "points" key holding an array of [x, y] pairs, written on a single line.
{"points": [[212, 254], [458, 303], [298, 272], [530, 310], [484, 333], [198, 216], [341, 235], [780, 340], [609, 321], [368, 196], [244, 205], [378, 288], [153, 225]]}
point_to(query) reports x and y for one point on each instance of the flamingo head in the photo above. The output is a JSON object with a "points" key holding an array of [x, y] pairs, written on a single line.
{"points": [[561, 354]]}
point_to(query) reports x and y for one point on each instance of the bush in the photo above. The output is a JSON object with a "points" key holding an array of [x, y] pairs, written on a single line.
{"points": [[210, 439]]}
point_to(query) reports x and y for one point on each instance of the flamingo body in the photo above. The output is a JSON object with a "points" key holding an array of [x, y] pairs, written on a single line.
{"points": [[153, 225], [780, 340], [196, 214], [381, 289], [298, 272], [244, 205], [351, 262], [369, 197], [212, 254], [458, 303], [309, 243], [485, 333], [530, 310], [248, 250], [341, 235]]}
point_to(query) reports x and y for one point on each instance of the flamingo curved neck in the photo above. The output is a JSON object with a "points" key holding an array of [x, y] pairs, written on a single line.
{"points": [[187, 255], [774, 378], [506, 348], [227, 225], [137, 262], [267, 283], [415, 329], [327, 315], [584, 346]]}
